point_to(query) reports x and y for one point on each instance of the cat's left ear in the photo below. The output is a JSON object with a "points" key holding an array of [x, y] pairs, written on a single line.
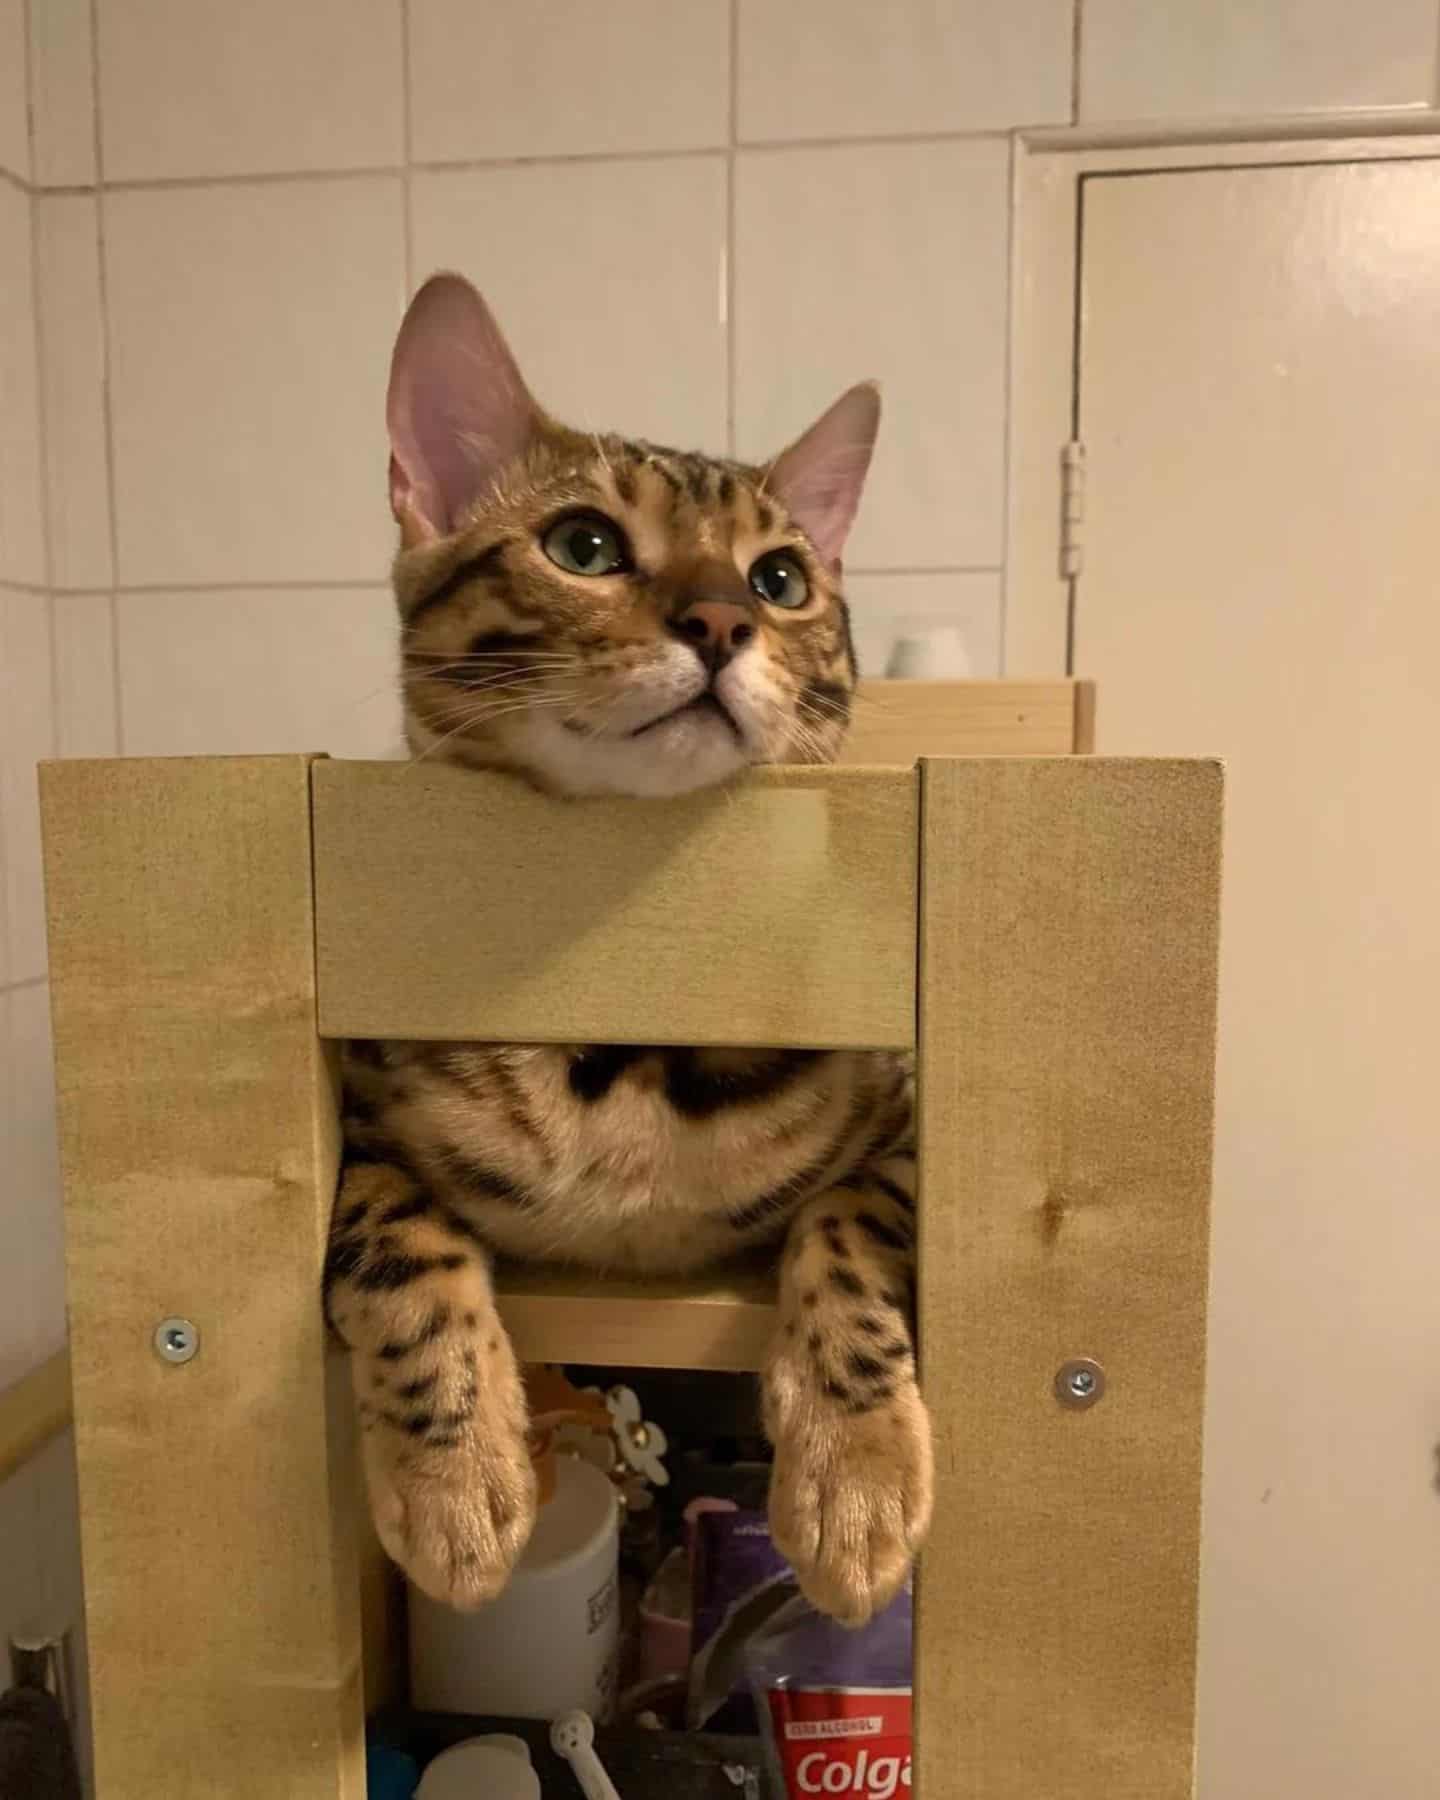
{"points": [[819, 478]]}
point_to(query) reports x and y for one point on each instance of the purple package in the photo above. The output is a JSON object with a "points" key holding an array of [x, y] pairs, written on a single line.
{"points": [[740, 1578]]}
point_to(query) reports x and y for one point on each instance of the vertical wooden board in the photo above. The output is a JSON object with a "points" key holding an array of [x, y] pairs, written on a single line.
{"points": [[1068, 951], [199, 1145]]}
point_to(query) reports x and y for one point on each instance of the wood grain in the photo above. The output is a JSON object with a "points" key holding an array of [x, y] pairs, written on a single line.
{"points": [[198, 1139], [780, 911], [1068, 962], [898, 721]]}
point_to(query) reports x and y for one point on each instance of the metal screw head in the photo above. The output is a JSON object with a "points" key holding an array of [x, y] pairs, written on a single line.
{"points": [[176, 1340], [1079, 1383]]}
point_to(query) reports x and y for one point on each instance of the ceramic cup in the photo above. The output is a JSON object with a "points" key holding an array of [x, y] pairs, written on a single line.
{"points": [[548, 1644]]}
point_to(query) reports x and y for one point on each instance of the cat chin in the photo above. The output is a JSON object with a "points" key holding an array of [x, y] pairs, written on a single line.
{"points": [[688, 752]]}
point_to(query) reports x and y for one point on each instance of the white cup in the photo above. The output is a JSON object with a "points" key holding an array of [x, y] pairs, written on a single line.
{"points": [[938, 655], [548, 1644]]}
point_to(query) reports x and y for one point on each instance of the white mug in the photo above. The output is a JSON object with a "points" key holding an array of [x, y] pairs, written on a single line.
{"points": [[548, 1644], [938, 655]]}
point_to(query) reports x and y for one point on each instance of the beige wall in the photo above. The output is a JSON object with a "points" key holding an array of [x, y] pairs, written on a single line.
{"points": [[698, 221]]}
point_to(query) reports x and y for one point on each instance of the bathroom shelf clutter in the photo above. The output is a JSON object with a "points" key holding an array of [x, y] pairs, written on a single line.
{"points": [[1040, 925]]}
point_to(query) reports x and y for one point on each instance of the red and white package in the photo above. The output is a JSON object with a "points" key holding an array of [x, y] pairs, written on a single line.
{"points": [[835, 1704], [842, 1740]]}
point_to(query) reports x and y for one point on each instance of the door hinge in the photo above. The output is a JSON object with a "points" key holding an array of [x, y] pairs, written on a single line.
{"points": [[1072, 509]]}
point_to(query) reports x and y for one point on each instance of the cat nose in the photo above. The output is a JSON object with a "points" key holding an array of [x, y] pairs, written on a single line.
{"points": [[716, 629]]}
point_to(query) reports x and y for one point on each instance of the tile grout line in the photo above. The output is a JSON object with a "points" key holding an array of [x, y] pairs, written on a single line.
{"points": [[365, 584], [728, 287], [480, 164], [106, 407], [42, 399], [1007, 428], [1077, 40], [995, 568], [303, 584], [19, 987], [407, 136]]}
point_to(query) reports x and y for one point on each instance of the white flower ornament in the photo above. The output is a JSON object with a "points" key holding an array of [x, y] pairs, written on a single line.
{"points": [[641, 1443]]}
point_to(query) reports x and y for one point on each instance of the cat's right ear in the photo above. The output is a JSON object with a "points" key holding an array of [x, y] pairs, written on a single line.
{"points": [[458, 408]]}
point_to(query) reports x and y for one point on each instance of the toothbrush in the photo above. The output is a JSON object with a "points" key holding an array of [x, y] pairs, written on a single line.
{"points": [[573, 1737]]}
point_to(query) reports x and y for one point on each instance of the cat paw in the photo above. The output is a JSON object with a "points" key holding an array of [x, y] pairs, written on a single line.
{"points": [[454, 1518], [850, 1495]]}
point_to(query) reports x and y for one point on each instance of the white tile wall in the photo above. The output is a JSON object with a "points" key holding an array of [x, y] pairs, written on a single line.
{"points": [[227, 672], [62, 93], [72, 379], [886, 607], [86, 713], [852, 68], [608, 277], [1229, 58], [14, 127], [249, 327], [208, 87], [22, 531], [567, 78], [27, 712], [887, 261]]}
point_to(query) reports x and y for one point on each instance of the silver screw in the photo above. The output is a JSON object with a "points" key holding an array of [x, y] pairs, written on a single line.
{"points": [[1079, 1383], [176, 1340]]}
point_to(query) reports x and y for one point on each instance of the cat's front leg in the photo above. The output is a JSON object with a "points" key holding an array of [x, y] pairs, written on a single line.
{"points": [[442, 1410], [851, 1491]]}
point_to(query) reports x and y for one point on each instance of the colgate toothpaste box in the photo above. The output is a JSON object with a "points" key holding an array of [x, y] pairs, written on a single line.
{"points": [[835, 1704]]}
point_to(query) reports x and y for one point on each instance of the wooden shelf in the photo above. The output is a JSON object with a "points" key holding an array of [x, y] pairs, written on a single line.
{"points": [[569, 1316]]}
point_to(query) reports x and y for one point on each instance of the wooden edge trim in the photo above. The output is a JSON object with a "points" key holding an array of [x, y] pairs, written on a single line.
{"points": [[34, 1410], [1084, 744], [564, 1317]]}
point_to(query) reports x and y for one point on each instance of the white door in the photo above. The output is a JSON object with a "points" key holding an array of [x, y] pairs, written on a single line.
{"points": [[1259, 397]]}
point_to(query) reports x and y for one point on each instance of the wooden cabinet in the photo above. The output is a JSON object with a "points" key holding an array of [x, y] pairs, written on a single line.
{"points": [[1041, 926]]}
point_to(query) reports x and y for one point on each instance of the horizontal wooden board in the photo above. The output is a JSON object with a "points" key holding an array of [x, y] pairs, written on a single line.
{"points": [[898, 721], [557, 1315], [779, 911], [34, 1410]]}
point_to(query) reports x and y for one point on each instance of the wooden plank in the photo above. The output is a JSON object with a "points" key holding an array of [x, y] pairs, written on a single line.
{"points": [[777, 911], [1084, 744], [710, 1323], [1068, 945], [34, 1410], [198, 1139], [898, 721]]}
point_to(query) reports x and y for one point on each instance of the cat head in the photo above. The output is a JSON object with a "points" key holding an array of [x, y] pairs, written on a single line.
{"points": [[600, 615]]}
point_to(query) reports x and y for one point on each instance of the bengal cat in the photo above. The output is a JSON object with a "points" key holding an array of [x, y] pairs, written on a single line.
{"points": [[601, 616]]}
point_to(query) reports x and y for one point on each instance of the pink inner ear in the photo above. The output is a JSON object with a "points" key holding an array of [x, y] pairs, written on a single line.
{"points": [[821, 475], [458, 408]]}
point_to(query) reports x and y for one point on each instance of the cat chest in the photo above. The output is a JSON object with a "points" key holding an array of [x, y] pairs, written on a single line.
{"points": [[631, 1158]]}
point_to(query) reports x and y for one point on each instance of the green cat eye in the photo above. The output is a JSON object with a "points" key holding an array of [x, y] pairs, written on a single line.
{"points": [[586, 544], [778, 578]]}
